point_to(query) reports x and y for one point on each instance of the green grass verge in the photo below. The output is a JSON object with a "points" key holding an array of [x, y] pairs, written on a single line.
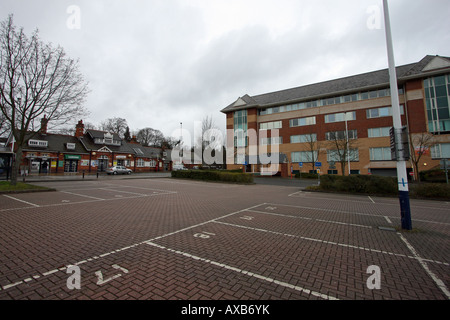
{"points": [[6, 187]]}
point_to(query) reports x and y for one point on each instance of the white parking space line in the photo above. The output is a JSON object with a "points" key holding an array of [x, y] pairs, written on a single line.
{"points": [[128, 192], [81, 195], [350, 212], [247, 273], [23, 201], [307, 218], [345, 245], [438, 281], [38, 276]]}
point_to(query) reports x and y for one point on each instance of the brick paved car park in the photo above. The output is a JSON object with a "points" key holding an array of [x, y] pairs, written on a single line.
{"points": [[167, 239]]}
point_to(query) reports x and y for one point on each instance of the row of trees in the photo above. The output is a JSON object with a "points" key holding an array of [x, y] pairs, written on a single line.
{"points": [[342, 145]]}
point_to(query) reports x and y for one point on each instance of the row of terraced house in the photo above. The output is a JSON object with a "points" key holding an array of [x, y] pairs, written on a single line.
{"points": [[87, 151]]}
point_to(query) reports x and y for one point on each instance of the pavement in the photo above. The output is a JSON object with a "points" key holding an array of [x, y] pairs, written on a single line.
{"points": [[117, 238]]}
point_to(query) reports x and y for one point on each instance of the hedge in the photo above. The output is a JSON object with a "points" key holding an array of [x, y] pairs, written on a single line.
{"points": [[359, 184], [213, 175], [439, 191], [379, 185]]}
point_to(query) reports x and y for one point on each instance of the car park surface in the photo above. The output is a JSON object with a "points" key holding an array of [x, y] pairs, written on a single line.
{"points": [[169, 239]]}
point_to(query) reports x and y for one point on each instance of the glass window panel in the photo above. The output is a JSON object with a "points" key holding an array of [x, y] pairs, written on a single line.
{"points": [[355, 97], [382, 93], [384, 112], [443, 113], [439, 81], [441, 91], [445, 150], [442, 102], [385, 132], [364, 95], [295, 157], [373, 94]]}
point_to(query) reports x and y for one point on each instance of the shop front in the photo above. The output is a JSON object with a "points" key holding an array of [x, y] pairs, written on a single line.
{"points": [[71, 162]]}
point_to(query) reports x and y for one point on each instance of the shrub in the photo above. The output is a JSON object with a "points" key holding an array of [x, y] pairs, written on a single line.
{"points": [[212, 175], [359, 184], [433, 175], [431, 191], [306, 175]]}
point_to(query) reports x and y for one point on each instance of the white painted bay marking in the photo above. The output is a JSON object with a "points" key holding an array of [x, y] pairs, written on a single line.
{"points": [[438, 281], [345, 245], [101, 281], [81, 195], [371, 199], [23, 201], [248, 273], [127, 247], [307, 218]]}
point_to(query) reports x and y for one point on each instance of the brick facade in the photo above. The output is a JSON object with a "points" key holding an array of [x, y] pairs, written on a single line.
{"points": [[411, 98]]}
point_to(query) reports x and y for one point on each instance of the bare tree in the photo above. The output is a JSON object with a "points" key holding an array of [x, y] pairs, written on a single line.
{"points": [[420, 144], [4, 127], [313, 149], [209, 135], [341, 146], [150, 137], [115, 125], [36, 81]]}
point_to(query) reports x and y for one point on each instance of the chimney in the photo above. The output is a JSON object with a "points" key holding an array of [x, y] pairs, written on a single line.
{"points": [[79, 129], [44, 122], [134, 140]]}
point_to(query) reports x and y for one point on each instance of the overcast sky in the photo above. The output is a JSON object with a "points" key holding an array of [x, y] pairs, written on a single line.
{"points": [[157, 63]]}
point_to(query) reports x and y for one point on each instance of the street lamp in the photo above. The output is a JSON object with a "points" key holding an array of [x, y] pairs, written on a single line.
{"points": [[402, 175]]}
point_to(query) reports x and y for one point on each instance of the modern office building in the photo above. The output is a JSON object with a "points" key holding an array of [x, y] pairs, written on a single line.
{"points": [[344, 124]]}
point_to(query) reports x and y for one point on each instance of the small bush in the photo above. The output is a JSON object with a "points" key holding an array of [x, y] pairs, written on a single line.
{"points": [[212, 175], [431, 191]]}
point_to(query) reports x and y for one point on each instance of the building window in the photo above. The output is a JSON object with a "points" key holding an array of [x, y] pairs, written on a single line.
{"points": [[304, 138], [339, 117], [380, 154], [37, 143], [302, 122], [304, 156], [339, 155], [270, 125], [382, 112], [437, 98], [341, 135], [240, 128], [271, 141], [378, 132], [440, 151], [140, 162]]}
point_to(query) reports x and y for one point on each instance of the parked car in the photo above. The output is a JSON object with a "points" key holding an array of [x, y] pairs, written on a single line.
{"points": [[178, 167], [118, 169]]}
